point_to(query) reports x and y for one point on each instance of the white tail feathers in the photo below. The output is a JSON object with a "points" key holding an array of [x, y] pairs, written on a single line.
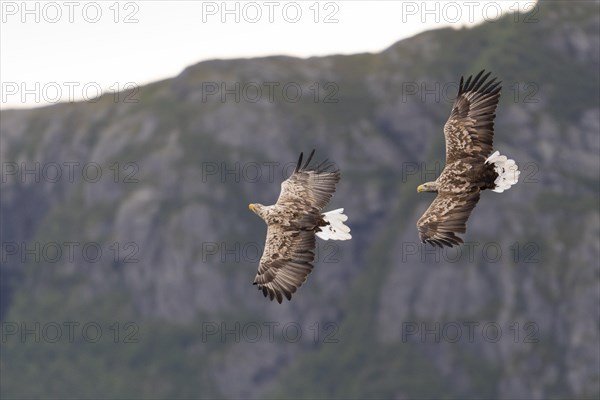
{"points": [[336, 230], [508, 171]]}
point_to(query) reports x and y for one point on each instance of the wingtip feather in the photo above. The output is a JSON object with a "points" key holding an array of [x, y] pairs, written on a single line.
{"points": [[299, 162]]}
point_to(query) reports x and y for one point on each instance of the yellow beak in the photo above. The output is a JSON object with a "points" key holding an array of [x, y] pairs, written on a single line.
{"points": [[251, 207], [420, 189]]}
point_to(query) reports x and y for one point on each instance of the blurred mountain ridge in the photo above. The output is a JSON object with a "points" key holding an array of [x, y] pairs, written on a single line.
{"points": [[161, 185]]}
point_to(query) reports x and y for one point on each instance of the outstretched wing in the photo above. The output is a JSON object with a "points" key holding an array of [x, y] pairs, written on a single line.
{"points": [[289, 249], [286, 261], [469, 130], [309, 187], [446, 216]]}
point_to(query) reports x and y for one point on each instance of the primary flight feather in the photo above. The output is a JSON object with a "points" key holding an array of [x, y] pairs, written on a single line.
{"points": [[292, 224], [470, 164]]}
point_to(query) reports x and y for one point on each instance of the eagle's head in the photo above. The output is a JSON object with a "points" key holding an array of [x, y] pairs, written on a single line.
{"points": [[428, 187], [257, 208]]}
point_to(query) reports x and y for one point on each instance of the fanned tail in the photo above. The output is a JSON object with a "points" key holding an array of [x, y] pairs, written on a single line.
{"points": [[507, 170], [336, 230]]}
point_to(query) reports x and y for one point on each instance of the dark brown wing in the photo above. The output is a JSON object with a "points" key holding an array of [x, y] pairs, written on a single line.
{"points": [[469, 130], [286, 261], [309, 187], [289, 249], [446, 216]]}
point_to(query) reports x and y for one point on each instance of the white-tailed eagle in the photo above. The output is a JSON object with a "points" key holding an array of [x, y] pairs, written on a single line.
{"points": [[292, 224], [470, 165]]}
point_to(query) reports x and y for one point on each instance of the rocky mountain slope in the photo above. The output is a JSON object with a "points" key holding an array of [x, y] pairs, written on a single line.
{"points": [[147, 223]]}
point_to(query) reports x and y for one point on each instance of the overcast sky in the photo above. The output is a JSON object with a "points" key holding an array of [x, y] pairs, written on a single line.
{"points": [[53, 51]]}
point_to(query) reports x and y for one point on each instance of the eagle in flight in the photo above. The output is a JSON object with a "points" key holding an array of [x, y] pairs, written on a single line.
{"points": [[471, 164], [292, 224]]}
